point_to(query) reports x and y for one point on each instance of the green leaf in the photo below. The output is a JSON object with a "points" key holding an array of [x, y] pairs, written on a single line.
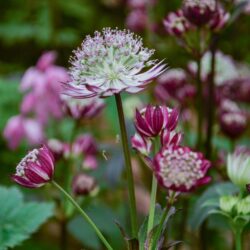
{"points": [[143, 229], [19, 219], [208, 201]]}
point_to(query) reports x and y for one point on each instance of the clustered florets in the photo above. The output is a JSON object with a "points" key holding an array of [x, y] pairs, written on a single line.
{"points": [[178, 168], [109, 62]]}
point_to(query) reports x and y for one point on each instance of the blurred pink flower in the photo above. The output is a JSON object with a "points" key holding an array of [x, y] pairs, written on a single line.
{"points": [[43, 83], [219, 19], [140, 4], [233, 121], [173, 84], [199, 12], [82, 108], [83, 184], [85, 145], [137, 20], [19, 128], [35, 169], [176, 24], [181, 169]]}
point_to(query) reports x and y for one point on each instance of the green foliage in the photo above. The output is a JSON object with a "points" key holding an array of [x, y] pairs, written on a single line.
{"points": [[104, 218], [210, 198], [19, 219]]}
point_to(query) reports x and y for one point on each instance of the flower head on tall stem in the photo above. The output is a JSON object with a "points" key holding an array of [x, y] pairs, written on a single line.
{"points": [[35, 169], [181, 169], [110, 62]]}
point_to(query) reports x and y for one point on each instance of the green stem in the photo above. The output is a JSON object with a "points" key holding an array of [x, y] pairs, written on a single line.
{"points": [[131, 188], [238, 234], [199, 101], [152, 203], [84, 215]]}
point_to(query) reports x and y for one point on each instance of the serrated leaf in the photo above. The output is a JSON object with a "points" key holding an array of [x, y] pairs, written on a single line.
{"points": [[19, 219]]}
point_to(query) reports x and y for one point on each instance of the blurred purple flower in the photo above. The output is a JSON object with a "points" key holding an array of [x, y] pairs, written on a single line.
{"points": [[176, 24], [85, 145], [233, 121], [199, 12], [57, 147], [19, 128], [140, 4], [181, 169], [152, 120], [83, 184], [36, 168], [82, 108], [43, 83], [137, 20], [173, 84], [219, 19], [110, 62]]}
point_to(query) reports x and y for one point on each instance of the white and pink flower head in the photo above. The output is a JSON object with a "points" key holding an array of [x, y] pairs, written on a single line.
{"points": [[110, 62], [152, 120], [180, 169], [35, 169]]}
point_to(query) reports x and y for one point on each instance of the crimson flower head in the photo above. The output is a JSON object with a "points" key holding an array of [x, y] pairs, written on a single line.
{"points": [[110, 62], [199, 12], [180, 169], [35, 169], [176, 23], [152, 120]]}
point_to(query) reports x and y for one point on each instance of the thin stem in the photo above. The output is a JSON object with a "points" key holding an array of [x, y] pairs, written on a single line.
{"points": [[127, 158], [238, 236], [153, 194], [152, 203], [84, 215], [211, 98], [199, 102]]}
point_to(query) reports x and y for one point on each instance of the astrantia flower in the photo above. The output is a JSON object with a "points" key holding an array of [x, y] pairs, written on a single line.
{"points": [[181, 169], [238, 168], [176, 24], [36, 168], [152, 120], [199, 12], [82, 108], [110, 62], [219, 19]]}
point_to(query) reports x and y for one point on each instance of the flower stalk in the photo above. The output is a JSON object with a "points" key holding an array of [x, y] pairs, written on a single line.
{"points": [[84, 215], [127, 158]]}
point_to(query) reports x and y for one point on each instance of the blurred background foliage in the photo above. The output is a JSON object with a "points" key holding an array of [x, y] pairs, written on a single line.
{"points": [[29, 27]]}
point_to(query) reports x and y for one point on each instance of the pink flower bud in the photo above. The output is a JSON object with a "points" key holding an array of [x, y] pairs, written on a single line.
{"points": [[46, 60], [181, 169], [150, 121], [176, 24], [36, 168], [141, 144], [56, 147], [83, 184], [137, 20]]}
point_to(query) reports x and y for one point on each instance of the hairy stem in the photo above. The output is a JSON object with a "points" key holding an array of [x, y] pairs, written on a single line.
{"points": [[126, 153], [84, 215]]}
